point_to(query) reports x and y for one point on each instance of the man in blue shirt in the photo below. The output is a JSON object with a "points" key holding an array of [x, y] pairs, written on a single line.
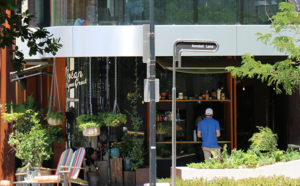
{"points": [[209, 131]]}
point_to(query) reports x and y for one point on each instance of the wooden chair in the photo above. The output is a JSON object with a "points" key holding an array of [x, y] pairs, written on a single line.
{"points": [[62, 166], [76, 166], [69, 172]]}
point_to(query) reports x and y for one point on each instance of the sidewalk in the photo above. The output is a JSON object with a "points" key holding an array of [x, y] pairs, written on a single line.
{"points": [[288, 169]]}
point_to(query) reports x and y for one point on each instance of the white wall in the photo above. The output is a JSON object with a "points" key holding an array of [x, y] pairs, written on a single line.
{"points": [[125, 41]]}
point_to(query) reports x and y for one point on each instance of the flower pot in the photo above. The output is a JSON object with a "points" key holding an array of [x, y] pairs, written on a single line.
{"points": [[54, 122], [114, 152], [93, 131]]}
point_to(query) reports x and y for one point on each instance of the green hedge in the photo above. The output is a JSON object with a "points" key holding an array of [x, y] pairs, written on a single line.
{"points": [[268, 181]]}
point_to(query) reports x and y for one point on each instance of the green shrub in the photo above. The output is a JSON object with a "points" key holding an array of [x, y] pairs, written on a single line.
{"points": [[31, 140], [264, 140], [291, 154], [250, 159]]}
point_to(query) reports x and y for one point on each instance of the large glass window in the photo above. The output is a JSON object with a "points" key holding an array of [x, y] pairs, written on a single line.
{"points": [[167, 12], [40, 10]]}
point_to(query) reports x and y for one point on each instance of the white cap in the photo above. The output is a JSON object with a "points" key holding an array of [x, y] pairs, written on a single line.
{"points": [[209, 112]]}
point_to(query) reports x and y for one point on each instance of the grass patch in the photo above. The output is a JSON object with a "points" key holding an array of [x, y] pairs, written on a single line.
{"points": [[268, 181]]}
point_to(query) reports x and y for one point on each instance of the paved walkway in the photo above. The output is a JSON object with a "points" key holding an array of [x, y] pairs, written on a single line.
{"points": [[288, 169]]}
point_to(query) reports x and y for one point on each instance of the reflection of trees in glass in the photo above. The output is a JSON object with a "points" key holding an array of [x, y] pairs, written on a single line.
{"points": [[195, 12], [256, 11], [217, 12], [174, 12], [136, 10]]}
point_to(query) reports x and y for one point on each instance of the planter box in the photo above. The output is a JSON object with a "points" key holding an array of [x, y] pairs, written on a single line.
{"points": [[103, 172], [142, 176], [129, 178], [116, 167], [287, 169]]}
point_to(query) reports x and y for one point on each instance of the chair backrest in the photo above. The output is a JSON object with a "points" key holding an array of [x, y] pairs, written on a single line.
{"points": [[76, 162], [64, 160]]}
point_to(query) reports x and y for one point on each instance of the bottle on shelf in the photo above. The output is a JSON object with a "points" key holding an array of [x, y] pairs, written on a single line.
{"points": [[194, 135], [218, 94], [222, 93], [206, 94]]}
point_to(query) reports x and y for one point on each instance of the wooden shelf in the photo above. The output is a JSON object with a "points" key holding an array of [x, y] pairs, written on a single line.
{"points": [[194, 100], [188, 142]]}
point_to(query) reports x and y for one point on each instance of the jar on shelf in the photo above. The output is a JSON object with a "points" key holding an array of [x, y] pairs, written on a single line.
{"points": [[180, 95]]}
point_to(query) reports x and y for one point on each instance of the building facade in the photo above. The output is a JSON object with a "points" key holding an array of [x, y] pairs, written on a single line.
{"points": [[104, 38]]}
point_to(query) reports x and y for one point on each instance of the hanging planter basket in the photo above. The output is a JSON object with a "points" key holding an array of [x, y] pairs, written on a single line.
{"points": [[55, 118], [54, 122], [92, 131]]}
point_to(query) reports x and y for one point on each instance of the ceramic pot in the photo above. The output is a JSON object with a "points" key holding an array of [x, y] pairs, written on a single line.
{"points": [[54, 122], [93, 131]]}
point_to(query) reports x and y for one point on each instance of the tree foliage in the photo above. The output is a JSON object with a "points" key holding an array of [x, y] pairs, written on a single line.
{"points": [[285, 37], [17, 25]]}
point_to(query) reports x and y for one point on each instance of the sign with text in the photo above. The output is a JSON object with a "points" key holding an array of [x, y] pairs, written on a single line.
{"points": [[193, 46]]}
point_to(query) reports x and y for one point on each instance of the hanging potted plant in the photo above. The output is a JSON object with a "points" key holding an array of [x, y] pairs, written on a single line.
{"points": [[89, 125], [111, 119], [114, 122], [55, 118]]}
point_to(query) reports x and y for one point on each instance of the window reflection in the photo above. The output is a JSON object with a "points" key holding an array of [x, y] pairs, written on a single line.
{"points": [[124, 12]]}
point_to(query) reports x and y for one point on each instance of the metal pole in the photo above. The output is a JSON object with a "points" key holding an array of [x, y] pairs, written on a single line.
{"points": [[174, 121], [152, 99], [90, 85]]}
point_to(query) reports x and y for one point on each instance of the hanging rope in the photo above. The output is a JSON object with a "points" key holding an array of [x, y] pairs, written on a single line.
{"points": [[54, 85], [116, 107]]}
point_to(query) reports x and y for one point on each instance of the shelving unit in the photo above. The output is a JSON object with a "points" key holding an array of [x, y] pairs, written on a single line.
{"points": [[226, 114]]}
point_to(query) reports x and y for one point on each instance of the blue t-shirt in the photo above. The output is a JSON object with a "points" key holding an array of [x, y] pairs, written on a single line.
{"points": [[208, 127]]}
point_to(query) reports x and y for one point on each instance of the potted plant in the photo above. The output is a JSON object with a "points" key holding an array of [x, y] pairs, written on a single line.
{"points": [[89, 125], [55, 118], [161, 130], [111, 119], [31, 140]]}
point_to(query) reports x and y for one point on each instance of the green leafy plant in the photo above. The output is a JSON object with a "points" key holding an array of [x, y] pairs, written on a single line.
{"points": [[83, 118], [285, 74], [111, 119], [264, 140], [164, 150], [162, 128], [85, 121], [17, 25], [56, 115], [89, 124], [31, 140], [33, 147], [136, 151], [252, 158]]}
